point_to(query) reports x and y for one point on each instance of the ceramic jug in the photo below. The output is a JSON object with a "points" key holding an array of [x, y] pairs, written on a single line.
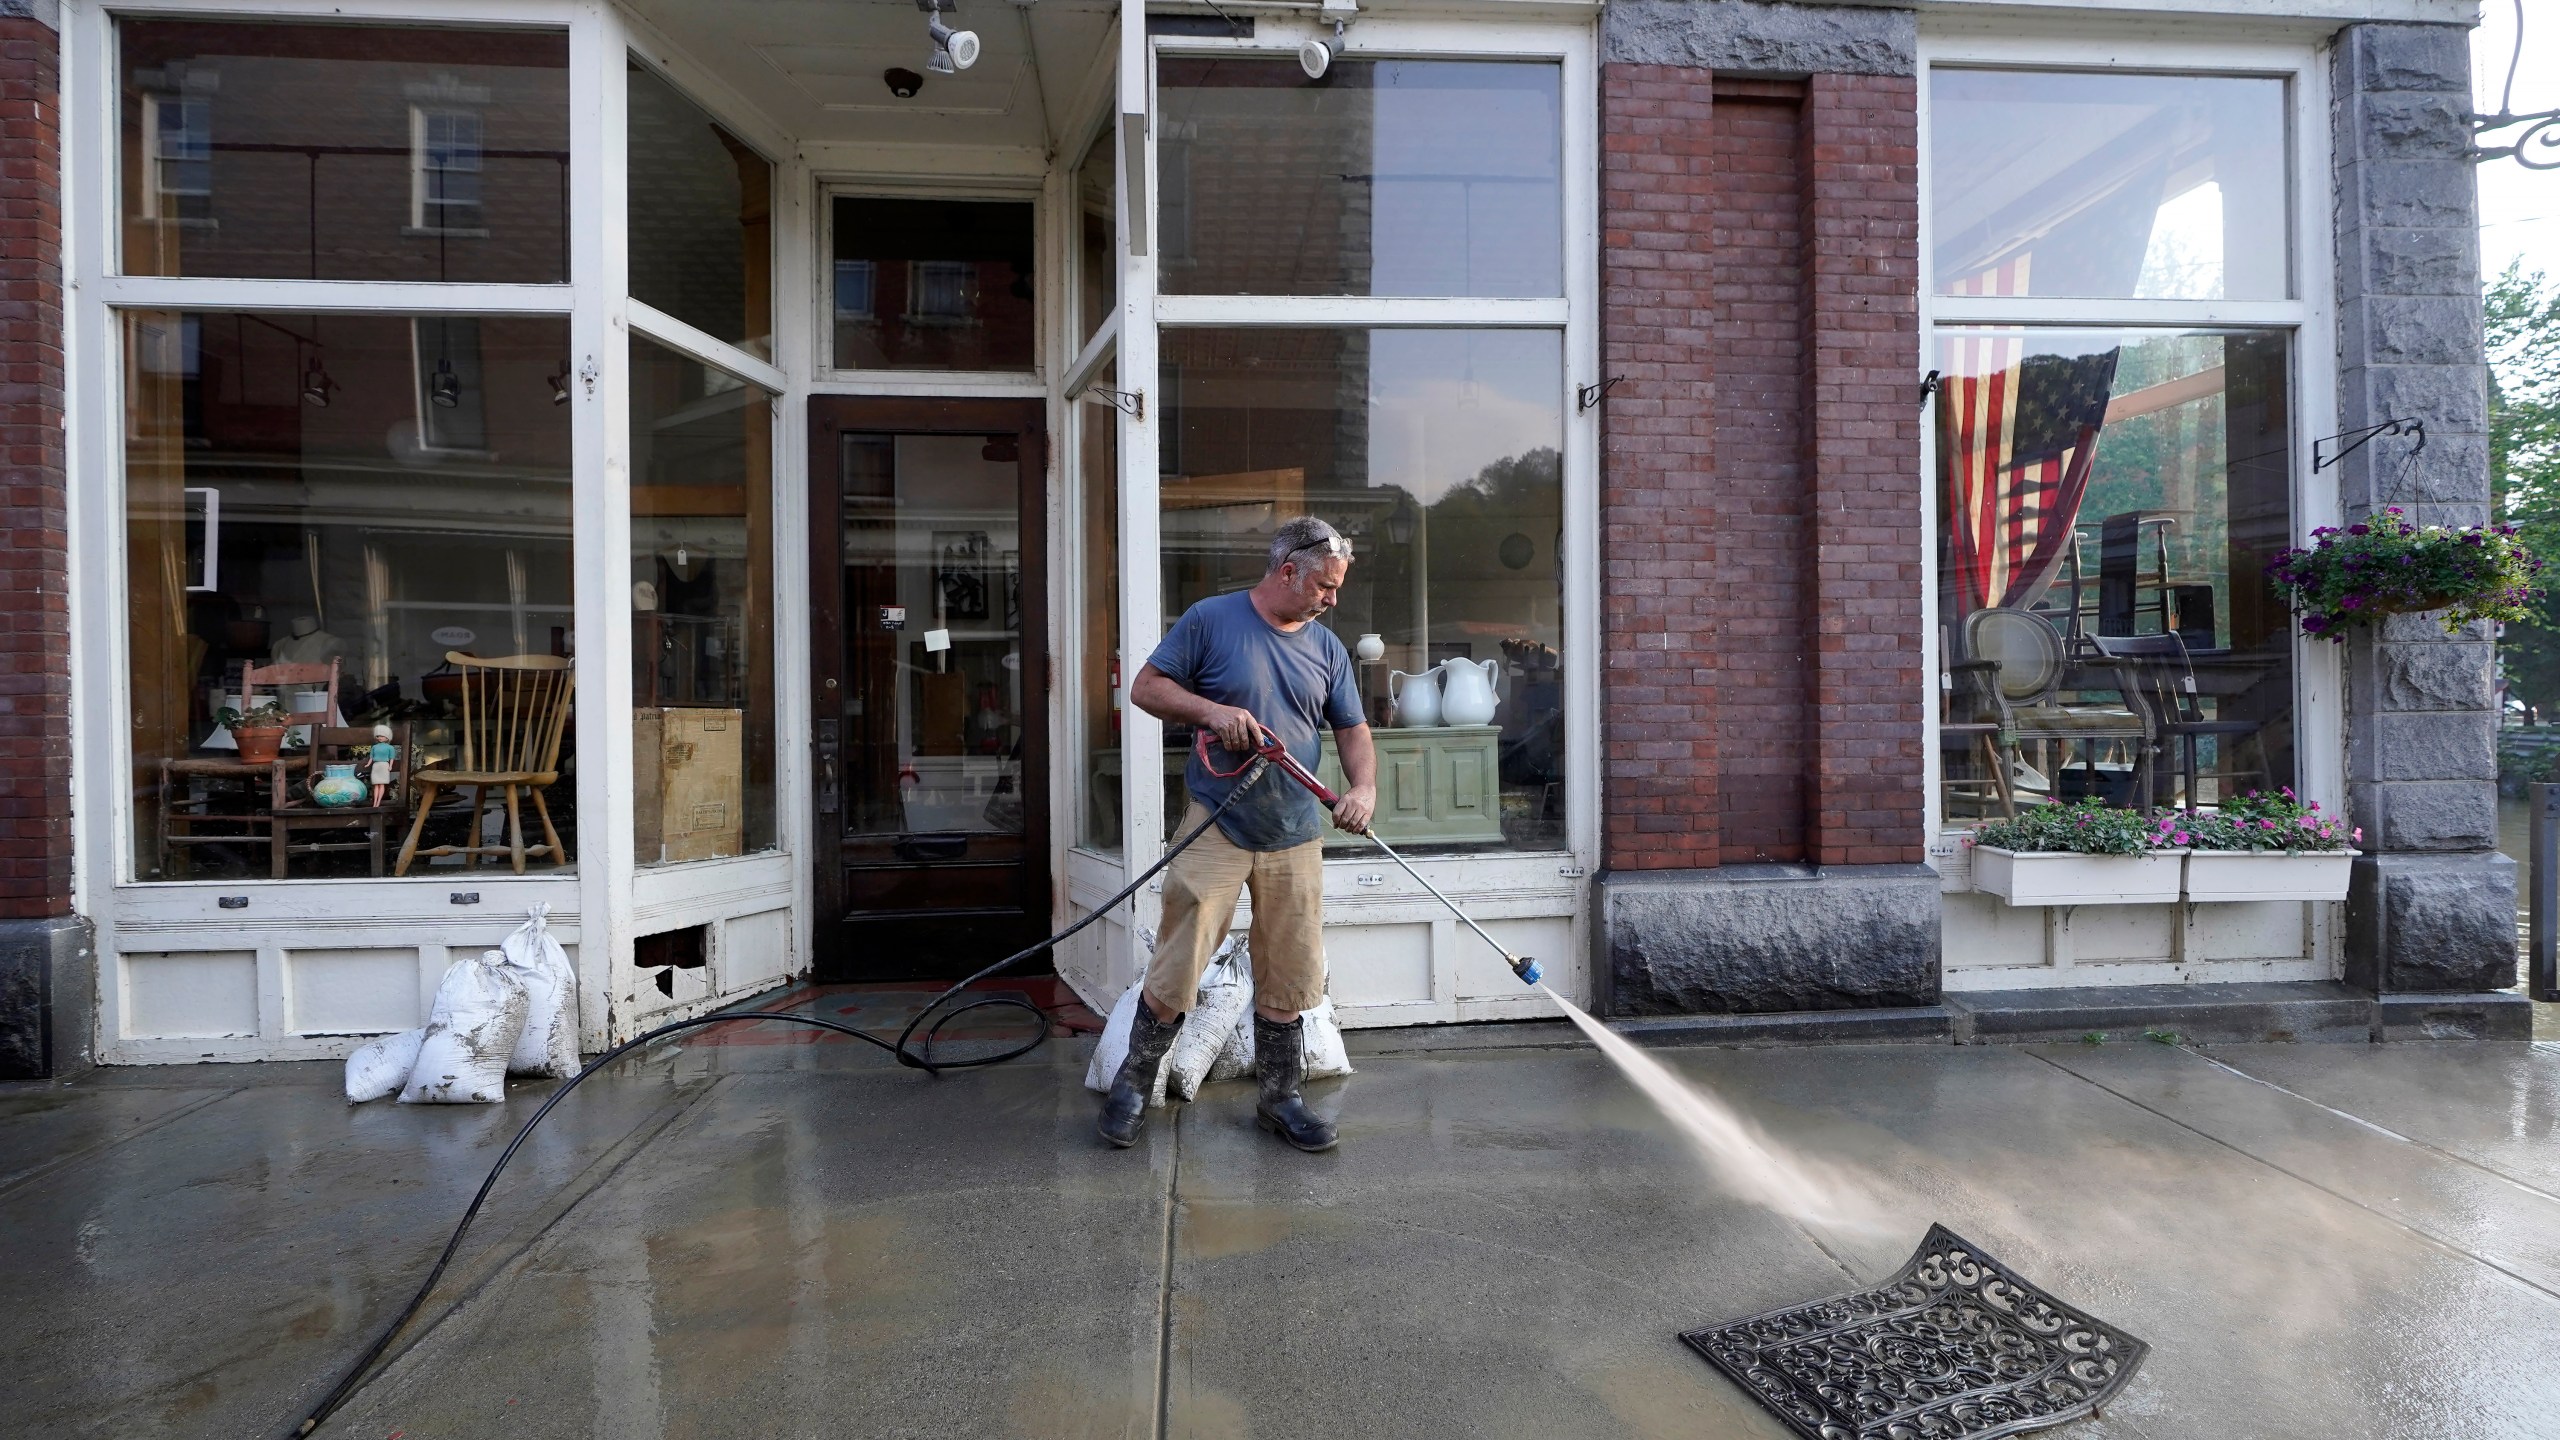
{"points": [[1466, 695], [1416, 698], [338, 787]]}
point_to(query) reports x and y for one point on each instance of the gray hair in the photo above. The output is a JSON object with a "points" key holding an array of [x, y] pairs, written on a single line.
{"points": [[1304, 538]]}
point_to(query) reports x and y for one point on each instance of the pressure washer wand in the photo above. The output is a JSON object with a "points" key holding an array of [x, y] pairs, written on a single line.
{"points": [[1287, 764]]}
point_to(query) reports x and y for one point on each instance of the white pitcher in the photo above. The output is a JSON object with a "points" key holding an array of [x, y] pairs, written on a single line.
{"points": [[1466, 692], [1416, 697]]}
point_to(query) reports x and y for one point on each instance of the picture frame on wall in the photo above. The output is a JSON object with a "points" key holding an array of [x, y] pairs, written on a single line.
{"points": [[960, 573]]}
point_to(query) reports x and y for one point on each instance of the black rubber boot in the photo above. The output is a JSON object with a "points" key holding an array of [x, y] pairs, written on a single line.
{"points": [[1280, 1061], [1124, 1110]]}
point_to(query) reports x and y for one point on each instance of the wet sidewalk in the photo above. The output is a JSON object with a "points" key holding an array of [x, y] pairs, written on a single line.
{"points": [[802, 1240]]}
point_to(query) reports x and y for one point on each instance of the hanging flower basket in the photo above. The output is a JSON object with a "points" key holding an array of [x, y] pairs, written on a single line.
{"points": [[2387, 566], [2085, 854]]}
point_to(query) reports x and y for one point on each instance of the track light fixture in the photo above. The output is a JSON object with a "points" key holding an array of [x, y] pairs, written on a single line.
{"points": [[953, 50], [1316, 56], [316, 384], [559, 383], [444, 388]]}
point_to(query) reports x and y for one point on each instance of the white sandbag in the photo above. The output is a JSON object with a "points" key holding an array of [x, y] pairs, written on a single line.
{"points": [[471, 1030], [549, 1044], [380, 1067], [1226, 1002], [1322, 1037], [1113, 1045]]}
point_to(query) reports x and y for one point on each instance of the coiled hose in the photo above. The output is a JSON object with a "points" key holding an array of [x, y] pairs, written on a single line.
{"points": [[355, 1374]]}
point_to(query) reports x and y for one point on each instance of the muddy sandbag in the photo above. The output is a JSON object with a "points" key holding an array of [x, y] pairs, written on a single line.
{"points": [[1226, 1002], [1113, 1047], [380, 1067], [471, 1033], [548, 1045], [1320, 1039]]}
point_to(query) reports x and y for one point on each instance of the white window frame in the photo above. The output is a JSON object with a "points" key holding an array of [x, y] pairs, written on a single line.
{"points": [[1504, 884], [600, 906], [429, 215], [1022, 188], [2306, 319]]}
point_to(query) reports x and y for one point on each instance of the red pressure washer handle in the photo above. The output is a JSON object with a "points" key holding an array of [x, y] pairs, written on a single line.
{"points": [[1273, 751]]}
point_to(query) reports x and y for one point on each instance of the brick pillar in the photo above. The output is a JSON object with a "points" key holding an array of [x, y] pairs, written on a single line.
{"points": [[1862, 206], [43, 977], [1761, 498], [2432, 904]]}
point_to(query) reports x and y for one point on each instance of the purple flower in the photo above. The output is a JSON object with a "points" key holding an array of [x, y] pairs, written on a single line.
{"points": [[2359, 529], [2182, 837]]}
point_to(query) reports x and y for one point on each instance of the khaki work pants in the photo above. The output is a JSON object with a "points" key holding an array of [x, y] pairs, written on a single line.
{"points": [[1200, 889]]}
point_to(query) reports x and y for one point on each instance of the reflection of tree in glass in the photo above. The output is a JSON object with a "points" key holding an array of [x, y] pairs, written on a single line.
{"points": [[2171, 461]]}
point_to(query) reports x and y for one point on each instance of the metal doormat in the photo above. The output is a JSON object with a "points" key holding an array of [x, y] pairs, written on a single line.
{"points": [[1956, 1347]]}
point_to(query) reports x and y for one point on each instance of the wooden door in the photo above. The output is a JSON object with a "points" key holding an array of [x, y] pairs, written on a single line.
{"points": [[928, 633]]}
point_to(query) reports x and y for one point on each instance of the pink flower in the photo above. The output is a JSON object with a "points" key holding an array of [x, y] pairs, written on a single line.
{"points": [[2182, 837], [2357, 833]]}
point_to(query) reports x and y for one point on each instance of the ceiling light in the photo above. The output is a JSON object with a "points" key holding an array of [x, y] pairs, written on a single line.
{"points": [[559, 384], [316, 384], [445, 387], [953, 50], [902, 82], [1316, 56]]}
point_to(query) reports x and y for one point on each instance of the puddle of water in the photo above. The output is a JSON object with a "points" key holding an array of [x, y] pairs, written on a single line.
{"points": [[1732, 1148]]}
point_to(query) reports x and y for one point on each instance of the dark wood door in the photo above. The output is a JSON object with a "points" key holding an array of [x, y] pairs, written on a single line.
{"points": [[928, 630]]}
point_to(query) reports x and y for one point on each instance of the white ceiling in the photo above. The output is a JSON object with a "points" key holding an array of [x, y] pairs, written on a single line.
{"points": [[814, 66]]}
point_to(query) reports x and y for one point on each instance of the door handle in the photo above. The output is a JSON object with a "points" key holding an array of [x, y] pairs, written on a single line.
{"points": [[829, 797]]}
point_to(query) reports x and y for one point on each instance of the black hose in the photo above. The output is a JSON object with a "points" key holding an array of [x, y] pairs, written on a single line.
{"points": [[355, 1373]]}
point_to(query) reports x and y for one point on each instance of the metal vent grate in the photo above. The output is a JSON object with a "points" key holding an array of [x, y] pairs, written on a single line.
{"points": [[1956, 1345]]}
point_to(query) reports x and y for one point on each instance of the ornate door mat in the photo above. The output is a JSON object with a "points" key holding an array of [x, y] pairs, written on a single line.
{"points": [[1955, 1347]]}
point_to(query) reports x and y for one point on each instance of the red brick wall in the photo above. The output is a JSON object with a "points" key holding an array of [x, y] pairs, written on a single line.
{"points": [[35, 679], [1862, 206], [1761, 487]]}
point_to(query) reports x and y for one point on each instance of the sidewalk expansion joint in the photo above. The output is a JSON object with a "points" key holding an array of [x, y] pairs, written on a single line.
{"points": [[1164, 1280], [30, 1176]]}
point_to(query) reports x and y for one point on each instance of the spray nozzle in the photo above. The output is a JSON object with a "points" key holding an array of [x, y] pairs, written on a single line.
{"points": [[1526, 967]]}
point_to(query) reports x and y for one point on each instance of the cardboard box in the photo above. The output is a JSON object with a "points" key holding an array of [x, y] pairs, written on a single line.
{"points": [[691, 800]]}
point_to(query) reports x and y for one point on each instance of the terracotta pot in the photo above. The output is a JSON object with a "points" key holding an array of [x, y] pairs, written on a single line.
{"points": [[258, 744]]}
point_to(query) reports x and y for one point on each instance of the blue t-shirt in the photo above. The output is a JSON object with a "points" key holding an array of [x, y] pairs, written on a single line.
{"points": [[1293, 681]]}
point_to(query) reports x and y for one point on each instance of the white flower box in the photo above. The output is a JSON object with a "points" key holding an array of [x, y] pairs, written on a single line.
{"points": [[2268, 874], [2059, 877]]}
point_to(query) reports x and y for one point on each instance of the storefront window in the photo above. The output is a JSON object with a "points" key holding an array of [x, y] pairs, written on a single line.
{"points": [[344, 152], [1386, 177], [2108, 503], [1439, 453], [363, 520], [702, 610], [1103, 684], [933, 284], [1097, 234], [701, 218], [2147, 187]]}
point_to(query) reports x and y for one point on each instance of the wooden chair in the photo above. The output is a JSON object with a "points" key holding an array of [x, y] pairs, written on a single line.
{"points": [[286, 818], [186, 823], [515, 708]]}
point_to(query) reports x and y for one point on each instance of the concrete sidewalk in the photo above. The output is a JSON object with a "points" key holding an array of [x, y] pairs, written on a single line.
{"points": [[798, 1240]]}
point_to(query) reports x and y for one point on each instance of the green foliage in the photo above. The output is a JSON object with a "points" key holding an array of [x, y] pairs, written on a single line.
{"points": [[2161, 1037], [2387, 566], [265, 715], [2522, 312], [2256, 821], [2088, 828]]}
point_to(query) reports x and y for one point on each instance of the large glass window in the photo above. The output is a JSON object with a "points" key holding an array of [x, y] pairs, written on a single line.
{"points": [[1386, 177], [702, 610], [322, 511], [1102, 683], [2108, 503], [344, 152], [933, 284], [701, 218], [1439, 453], [2103, 185]]}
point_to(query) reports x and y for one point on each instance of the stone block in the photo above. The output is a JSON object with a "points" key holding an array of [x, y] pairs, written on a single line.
{"points": [[2435, 816], [48, 984], [2400, 261], [2435, 677], [2409, 330], [1761, 37], [2453, 399], [1900, 1025], [47, 13], [2413, 126], [2405, 194], [1755, 939], [2492, 1016], [2432, 923], [2428, 629], [2440, 745], [2407, 57], [2236, 1013]]}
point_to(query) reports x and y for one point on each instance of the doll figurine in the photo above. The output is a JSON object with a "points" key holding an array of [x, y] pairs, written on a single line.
{"points": [[384, 754]]}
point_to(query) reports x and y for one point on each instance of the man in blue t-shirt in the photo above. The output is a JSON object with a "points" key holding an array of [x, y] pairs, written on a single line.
{"points": [[1236, 665]]}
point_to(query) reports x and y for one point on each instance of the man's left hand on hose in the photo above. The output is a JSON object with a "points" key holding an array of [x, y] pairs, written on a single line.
{"points": [[1356, 807]]}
